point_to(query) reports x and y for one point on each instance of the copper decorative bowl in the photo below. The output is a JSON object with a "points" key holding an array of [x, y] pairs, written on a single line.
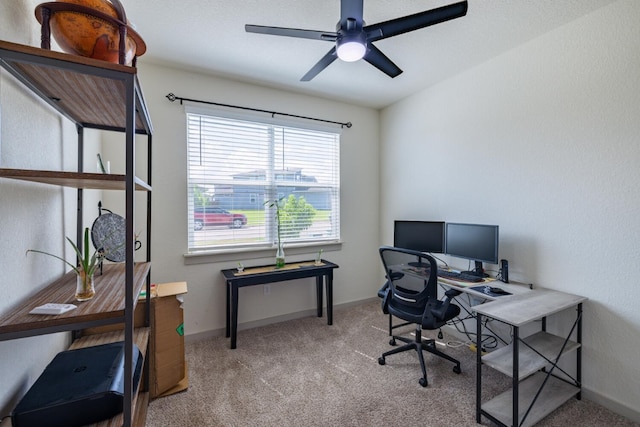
{"points": [[91, 28]]}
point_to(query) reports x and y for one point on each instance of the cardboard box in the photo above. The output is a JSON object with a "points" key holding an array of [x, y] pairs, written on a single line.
{"points": [[167, 362], [167, 366]]}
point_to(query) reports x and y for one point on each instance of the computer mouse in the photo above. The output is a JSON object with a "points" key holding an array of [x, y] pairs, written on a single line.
{"points": [[497, 290]]}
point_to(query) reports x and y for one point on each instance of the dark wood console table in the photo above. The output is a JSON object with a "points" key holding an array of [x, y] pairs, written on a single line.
{"points": [[252, 276]]}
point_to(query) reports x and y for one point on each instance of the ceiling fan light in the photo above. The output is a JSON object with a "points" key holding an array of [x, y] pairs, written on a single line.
{"points": [[351, 51]]}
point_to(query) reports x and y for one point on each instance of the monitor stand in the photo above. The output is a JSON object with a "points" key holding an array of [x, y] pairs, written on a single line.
{"points": [[419, 264], [477, 271]]}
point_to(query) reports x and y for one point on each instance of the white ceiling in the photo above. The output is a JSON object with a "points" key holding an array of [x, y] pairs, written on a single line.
{"points": [[209, 36]]}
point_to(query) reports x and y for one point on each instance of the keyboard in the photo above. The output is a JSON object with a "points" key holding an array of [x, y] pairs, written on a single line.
{"points": [[459, 276]]}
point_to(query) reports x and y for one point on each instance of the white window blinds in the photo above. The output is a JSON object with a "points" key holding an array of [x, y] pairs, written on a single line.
{"points": [[238, 168]]}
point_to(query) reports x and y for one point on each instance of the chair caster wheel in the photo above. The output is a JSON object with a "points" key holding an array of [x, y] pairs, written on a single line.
{"points": [[381, 360], [457, 369], [392, 341], [423, 382]]}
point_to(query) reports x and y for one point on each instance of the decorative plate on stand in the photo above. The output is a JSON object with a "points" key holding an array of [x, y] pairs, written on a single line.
{"points": [[108, 233]]}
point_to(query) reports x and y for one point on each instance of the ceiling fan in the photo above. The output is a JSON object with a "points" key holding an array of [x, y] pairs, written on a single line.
{"points": [[353, 39]]}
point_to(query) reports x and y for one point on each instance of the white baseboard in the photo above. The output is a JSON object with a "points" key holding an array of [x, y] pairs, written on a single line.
{"points": [[611, 404], [271, 320]]}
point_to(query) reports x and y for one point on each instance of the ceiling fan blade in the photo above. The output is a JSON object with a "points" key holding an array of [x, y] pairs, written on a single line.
{"points": [[320, 65], [351, 9], [416, 21], [292, 32], [378, 59]]}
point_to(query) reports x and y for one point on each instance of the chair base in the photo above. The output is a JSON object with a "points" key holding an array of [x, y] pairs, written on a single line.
{"points": [[419, 345]]}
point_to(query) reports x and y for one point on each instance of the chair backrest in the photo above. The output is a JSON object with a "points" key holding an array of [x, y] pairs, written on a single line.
{"points": [[412, 293], [412, 275]]}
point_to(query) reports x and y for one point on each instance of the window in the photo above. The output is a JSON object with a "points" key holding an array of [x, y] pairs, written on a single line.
{"points": [[237, 168]]}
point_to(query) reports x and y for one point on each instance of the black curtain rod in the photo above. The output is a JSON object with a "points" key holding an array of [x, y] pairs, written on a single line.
{"points": [[171, 97]]}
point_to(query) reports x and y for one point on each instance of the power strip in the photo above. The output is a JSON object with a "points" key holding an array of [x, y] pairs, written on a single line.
{"points": [[472, 347]]}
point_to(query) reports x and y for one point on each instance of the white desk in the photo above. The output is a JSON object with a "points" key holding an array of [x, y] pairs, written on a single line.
{"points": [[532, 366], [536, 390], [475, 298], [513, 288]]}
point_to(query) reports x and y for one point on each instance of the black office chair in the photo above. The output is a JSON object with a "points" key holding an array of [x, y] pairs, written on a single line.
{"points": [[412, 297]]}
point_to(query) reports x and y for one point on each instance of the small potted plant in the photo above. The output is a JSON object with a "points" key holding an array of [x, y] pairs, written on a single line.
{"points": [[280, 262], [86, 268]]}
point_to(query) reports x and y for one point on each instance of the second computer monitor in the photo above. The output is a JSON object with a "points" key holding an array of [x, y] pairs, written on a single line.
{"points": [[423, 236], [475, 242]]}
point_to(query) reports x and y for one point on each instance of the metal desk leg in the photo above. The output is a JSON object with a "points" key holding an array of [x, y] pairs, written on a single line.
{"points": [[579, 352], [329, 284], [234, 314], [228, 318], [516, 375], [319, 295], [478, 368]]}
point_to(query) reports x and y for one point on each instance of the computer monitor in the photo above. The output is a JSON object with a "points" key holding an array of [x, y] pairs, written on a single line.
{"points": [[475, 242], [422, 236]]}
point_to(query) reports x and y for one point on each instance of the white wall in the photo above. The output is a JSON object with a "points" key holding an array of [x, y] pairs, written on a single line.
{"points": [[32, 216], [542, 141], [358, 275]]}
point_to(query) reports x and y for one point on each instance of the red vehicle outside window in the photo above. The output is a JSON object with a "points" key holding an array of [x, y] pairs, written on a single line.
{"points": [[217, 216]]}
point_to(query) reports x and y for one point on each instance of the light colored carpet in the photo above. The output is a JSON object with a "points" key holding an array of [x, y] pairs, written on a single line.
{"points": [[305, 373]]}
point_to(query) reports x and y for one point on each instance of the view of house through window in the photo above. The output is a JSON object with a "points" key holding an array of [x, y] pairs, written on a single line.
{"points": [[237, 169]]}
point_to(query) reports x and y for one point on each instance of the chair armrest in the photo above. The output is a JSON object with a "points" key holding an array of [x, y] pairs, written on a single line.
{"points": [[396, 275], [452, 293], [382, 292], [385, 299], [441, 310]]}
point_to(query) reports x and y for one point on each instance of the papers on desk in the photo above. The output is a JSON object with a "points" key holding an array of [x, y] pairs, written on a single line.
{"points": [[488, 290]]}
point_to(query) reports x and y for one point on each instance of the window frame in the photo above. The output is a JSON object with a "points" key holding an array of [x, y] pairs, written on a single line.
{"points": [[268, 242]]}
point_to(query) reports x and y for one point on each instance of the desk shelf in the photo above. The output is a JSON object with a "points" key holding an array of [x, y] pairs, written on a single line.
{"points": [[556, 393], [548, 345]]}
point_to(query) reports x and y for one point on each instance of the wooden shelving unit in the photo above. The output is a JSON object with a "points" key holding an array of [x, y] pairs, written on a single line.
{"points": [[98, 95]]}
